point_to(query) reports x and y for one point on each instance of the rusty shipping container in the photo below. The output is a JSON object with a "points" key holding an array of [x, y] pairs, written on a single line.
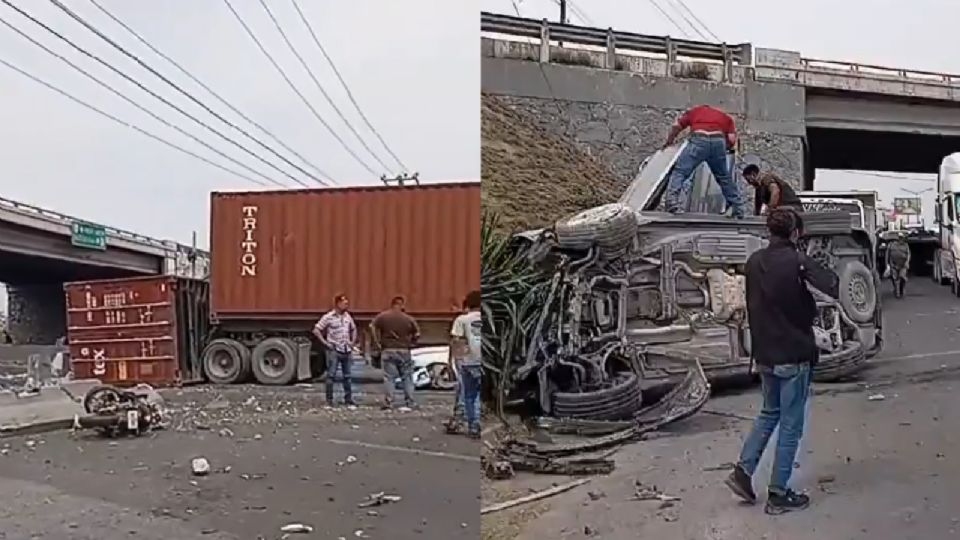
{"points": [[137, 330], [286, 254]]}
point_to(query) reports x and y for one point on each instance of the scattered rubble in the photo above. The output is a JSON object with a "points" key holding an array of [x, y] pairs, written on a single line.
{"points": [[378, 499], [555, 490], [200, 466]]}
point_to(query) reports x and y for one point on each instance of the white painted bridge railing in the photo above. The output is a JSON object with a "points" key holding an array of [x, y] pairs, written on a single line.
{"points": [[612, 40], [768, 63]]}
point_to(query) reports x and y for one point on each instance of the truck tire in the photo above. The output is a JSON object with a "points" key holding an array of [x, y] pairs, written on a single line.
{"points": [[858, 291], [846, 362], [620, 399], [274, 361], [226, 361], [610, 227]]}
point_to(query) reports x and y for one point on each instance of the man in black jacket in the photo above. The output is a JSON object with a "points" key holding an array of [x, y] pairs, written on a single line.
{"points": [[781, 311]]}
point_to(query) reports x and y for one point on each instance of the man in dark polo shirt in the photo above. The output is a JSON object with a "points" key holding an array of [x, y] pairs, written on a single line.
{"points": [[770, 191], [394, 334], [712, 135]]}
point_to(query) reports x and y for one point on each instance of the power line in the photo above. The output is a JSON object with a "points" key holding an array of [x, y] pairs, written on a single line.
{"points": [[294, 87], [200, 83], [119, 94], [127, 124], [336, 71], [694, 15], [669, 18], [320, 87], [686, 19], [176, 87]]}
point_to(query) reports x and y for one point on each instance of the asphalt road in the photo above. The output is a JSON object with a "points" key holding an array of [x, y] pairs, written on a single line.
{"points": [[277, 457], [880, 468]]}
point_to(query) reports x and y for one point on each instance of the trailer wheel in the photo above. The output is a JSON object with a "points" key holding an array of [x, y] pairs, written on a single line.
{"points": [[275, 361], [226, 361]]}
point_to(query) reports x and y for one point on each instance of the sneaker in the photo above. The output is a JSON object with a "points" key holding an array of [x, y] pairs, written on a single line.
{"points": [[741, 484], [780, 502], [474, 432], [350, 403], [676, 211]]}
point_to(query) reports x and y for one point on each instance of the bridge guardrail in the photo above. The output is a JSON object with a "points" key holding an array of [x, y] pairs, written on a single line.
{"points": [[63, 219], [613, 40], [869, 70]]}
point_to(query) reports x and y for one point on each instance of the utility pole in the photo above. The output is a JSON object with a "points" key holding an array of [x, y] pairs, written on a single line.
{"points": [[401, 180], [563, 16]]}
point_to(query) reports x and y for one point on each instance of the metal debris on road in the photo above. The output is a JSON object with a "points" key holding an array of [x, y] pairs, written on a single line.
{"points": [[876, 397], [351, 459], [555, 490], [293, 528], [378, 499], [651, 493]]}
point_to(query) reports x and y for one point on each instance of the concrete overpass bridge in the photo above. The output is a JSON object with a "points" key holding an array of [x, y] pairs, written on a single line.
{"points": [[615, 94], [41, 249]]}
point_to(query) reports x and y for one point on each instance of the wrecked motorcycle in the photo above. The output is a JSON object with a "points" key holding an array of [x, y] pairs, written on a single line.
{"points": [[115, 412]]}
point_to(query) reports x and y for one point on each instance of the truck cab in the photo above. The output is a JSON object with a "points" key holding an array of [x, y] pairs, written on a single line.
{"points": [[946, 271]]}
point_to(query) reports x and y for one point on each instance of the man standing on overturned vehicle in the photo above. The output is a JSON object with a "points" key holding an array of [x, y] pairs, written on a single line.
{"points": [[781, 311], [770, 191], [712, 135]]}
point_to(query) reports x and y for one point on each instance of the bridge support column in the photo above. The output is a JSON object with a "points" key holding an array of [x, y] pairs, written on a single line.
{"points": [[37, 313]]}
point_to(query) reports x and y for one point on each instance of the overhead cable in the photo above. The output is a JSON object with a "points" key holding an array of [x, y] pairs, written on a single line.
{"points": [[209, 90], [296, 53], [170, 83], [119, 94], [694, 15], [669, 18], [343, 82], [293, 87], [127, 124]]}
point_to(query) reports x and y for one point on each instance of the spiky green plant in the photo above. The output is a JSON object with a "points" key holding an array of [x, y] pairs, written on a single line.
{"points": [[514, 295]]}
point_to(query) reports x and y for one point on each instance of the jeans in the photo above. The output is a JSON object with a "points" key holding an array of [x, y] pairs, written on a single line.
{"points": [[397, 363], [471, 377], [700, 149], [785, 392], [334, 359], [458, 397]]}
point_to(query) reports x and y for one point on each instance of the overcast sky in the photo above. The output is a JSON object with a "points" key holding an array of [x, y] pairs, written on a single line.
{"points": [[413, 67], [918, 35]]}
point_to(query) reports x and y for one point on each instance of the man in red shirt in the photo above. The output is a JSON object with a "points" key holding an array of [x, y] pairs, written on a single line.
{"points": [[712, 134]]}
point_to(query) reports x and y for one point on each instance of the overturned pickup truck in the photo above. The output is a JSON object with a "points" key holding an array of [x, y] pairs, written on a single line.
{"points": [[645, 295]]}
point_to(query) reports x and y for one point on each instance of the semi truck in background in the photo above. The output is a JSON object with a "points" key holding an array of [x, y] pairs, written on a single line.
{"points": [[277, 260], [946, 270]]}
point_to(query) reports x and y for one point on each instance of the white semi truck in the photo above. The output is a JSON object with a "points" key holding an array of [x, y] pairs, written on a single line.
{"points": [[946, 269]]}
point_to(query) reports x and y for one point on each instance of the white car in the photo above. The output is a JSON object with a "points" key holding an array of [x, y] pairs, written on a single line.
{"points": [[431, 368]]}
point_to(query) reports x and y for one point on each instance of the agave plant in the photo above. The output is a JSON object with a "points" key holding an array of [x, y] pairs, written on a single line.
{"points": [[515, 294]]}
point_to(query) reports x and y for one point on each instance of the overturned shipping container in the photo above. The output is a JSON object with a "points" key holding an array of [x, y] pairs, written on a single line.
{"points": [[278, 259], [137, 330]]}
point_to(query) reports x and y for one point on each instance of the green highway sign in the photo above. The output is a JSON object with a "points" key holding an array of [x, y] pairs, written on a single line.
{"points": [[89, 235]]}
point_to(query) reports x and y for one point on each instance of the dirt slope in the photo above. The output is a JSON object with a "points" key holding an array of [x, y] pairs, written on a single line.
{"points": [[530, 177]]}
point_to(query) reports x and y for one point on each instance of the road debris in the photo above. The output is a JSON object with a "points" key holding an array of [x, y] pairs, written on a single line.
{"points": [[378, 499], [555, 490], [876, 397], [296, 528], [650, 493], [200, 466]]}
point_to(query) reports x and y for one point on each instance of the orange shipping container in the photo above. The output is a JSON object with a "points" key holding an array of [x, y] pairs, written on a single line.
{"points": [[286, 254], [137, 330]]}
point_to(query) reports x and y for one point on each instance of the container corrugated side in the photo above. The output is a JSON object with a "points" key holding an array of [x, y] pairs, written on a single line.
{"points": [[124, 331], [286, 254]]}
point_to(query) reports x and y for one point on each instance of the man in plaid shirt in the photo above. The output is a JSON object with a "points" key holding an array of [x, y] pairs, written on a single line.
{"points": [[337, 332]]}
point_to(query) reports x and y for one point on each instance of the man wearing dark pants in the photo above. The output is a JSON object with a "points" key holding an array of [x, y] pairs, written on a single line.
{"points": [[781, 311], [394, 334], [465, 345], [337, 332], [712, 135]]}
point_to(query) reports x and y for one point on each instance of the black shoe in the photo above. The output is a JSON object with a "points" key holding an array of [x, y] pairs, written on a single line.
{"points": [[350, 403], [742, 486], [778, 503], [676, 211]]}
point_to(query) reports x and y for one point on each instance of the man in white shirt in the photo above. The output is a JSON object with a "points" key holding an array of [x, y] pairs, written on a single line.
{"points": [[337, 332], [466, 349]]}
